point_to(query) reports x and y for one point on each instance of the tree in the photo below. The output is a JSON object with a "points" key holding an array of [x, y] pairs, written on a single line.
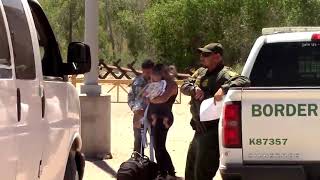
{"points": [[170, 31], [67, 19], [178, 27]]}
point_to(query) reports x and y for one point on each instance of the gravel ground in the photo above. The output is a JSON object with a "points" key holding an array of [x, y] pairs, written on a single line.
{"points": [[179, 137]]}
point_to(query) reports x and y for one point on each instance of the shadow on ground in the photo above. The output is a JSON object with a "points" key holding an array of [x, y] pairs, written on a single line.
{"points": [[104, 166]]}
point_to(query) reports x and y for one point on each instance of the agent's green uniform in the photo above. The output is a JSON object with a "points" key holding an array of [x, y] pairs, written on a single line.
{"points": [[203, 154]]}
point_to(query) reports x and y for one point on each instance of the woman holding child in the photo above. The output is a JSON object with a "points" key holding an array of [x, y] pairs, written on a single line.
{"points": [[161, 118]]}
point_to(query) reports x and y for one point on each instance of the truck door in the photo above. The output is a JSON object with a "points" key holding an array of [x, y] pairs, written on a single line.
{"points": [[29, 132], [8, 104], [56, 97]]}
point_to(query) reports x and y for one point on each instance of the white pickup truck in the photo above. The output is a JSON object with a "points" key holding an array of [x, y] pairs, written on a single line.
{"points": [[40, 110], [271, 130]]}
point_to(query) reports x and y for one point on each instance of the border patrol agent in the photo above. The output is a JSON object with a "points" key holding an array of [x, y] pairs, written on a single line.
{"points": [[213, 80]]}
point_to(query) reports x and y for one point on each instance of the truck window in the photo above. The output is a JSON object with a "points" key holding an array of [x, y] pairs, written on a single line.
{"points": [[287, 64], [5, 64], [21, 39], [49, 49]]}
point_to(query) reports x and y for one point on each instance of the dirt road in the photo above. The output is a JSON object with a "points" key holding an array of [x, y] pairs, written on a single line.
{"points": [[179, 137]]}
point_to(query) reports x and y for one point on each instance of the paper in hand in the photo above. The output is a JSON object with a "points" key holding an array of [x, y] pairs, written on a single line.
{"points": [[210, 111]]}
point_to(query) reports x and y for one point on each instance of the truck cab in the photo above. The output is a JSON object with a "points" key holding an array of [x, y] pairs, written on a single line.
{"points": [[40, 110], [270, 130]]}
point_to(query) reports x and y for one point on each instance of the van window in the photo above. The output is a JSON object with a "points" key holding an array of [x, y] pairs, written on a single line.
{"points": [[50, 54], [287, 64], [21, 39], [5, 64]]}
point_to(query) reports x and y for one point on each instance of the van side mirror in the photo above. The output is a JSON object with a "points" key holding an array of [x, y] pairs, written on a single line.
{"points": [[79, 59]]}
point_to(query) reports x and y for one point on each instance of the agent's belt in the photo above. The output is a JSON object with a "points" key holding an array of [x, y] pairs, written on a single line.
{"points": [[202, 127]]}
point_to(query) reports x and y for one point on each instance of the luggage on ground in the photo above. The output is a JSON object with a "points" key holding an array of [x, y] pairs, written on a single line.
{"points": [[138, 167]]}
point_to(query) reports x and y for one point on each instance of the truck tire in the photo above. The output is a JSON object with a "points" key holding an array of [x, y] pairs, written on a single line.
{"points": [[71, 172], [231, 178], [226, 177], [80, 162]]}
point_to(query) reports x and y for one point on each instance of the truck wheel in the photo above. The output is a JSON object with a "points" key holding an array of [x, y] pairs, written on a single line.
{"points": [[71, 172]]}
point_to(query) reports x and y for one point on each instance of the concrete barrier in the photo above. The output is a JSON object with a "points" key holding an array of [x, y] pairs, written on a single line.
{"points": [[96, 126]]}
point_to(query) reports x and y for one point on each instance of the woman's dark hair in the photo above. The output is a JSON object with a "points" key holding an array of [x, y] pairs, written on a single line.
{"points": [[147, 64], [162, 70], [157, 69]]}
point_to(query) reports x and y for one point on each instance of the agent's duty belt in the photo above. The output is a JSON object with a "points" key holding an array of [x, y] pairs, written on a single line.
{"points": [[203, 127]]}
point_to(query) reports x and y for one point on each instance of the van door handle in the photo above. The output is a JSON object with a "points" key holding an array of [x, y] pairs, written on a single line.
{"points": [[43, 104], [19, 104]]}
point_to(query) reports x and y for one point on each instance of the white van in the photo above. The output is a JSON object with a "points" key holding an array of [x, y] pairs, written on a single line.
{"points": [[39, 109], [270, 131]]}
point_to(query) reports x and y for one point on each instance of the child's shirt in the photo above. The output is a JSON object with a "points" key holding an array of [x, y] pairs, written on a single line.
{"points": [[155, 89]]}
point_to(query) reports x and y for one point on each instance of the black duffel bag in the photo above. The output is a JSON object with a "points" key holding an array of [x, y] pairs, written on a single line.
{"points": [[138, 167]]}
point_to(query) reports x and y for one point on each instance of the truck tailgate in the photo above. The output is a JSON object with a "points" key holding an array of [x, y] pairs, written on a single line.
{"points": [[280, 125]]}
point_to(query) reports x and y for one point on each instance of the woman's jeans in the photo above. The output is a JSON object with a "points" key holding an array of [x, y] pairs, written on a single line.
{"points": [[163, 158]]}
